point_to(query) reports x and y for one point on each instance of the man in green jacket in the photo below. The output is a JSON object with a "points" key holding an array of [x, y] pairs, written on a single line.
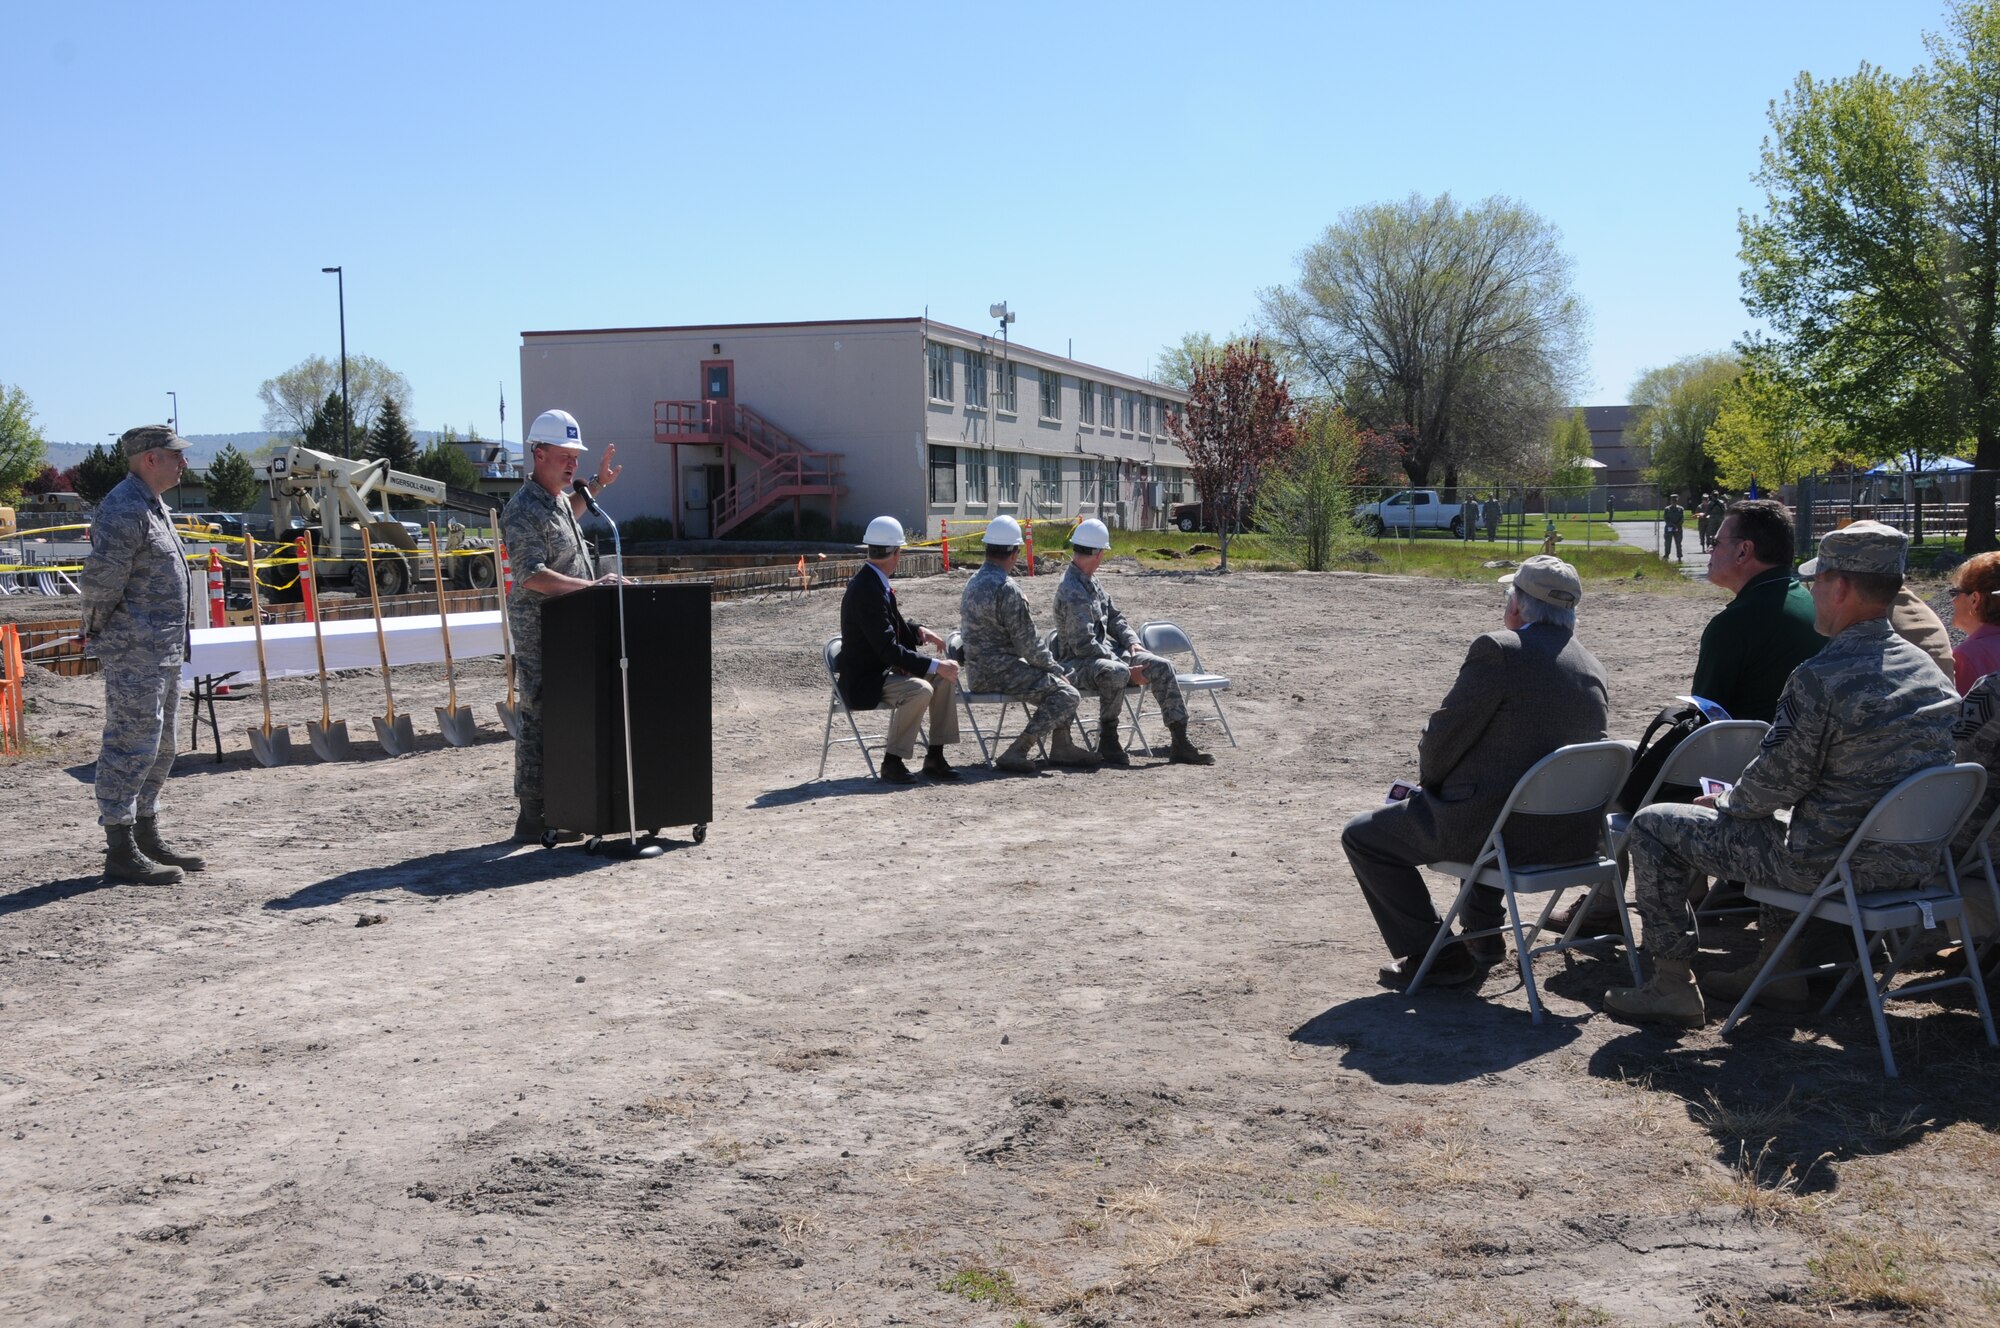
{"points": [[1750, 648]]}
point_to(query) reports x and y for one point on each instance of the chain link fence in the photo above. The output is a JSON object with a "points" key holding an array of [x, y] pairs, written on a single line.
{"points": [[1932, 508]]}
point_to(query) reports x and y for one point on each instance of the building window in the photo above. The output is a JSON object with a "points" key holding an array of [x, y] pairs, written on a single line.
{"points": [[1086, 403], [1175, 484], [1110, 416], [1125, 420], [939, 359], [1166, 420], [975, 478], [1010, 387], [1049, 497], [944, 475], [1145, 415], [1087, 484], [1110, 482], [1010, 478], [975, 380], [1051, 395]]}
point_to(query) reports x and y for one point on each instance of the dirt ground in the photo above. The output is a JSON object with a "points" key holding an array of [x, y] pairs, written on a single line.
{"points": [[1089, 1048]]}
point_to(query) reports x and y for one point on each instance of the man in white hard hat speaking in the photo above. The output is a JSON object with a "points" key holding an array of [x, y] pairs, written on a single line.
{"points": [[546, 548], [879, 663], [1003, 654], [1102, 652]]}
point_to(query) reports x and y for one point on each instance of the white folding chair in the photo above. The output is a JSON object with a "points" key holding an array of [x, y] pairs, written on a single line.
{"points": [[1924, 811], [1086, 713], [1167, 640], [1714, 751], [1578, 780], [868, 744]]}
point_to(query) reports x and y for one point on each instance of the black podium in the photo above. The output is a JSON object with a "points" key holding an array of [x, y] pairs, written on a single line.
{"points": [[583, 728]]}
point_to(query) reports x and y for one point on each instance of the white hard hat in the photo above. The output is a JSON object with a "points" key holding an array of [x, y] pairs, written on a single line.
{"points": [[557, 428], [884, 532], [1003, 530], [1090, 535]]}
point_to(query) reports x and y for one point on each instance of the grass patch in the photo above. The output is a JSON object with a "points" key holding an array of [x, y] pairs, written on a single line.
{"points": [[1857, 1273], [982, 1285]]}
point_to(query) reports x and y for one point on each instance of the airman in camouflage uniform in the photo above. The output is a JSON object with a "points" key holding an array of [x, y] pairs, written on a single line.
{"points": [[549, 557], [1101, 652], [1003, 654], [1853, 721], [136, 587]]}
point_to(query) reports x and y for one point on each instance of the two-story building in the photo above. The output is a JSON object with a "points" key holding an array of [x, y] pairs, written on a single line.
{"points": [[719, 425]]}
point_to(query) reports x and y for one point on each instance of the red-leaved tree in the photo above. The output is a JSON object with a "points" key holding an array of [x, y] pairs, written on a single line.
{"points": [[1237, 421]]}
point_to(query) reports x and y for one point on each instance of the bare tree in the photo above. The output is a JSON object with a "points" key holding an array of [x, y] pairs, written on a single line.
{"points": [[293, 396], [1460, 325]]}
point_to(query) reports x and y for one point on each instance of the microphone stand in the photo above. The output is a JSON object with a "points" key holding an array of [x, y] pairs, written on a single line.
{"points": [[634, 848]]}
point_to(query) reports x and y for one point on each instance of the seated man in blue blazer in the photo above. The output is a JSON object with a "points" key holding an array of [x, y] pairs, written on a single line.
{"points": [[879, 664], [1522, 692]]}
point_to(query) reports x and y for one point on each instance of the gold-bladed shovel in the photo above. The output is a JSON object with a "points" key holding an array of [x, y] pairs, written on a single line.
{"points": [[329, 736], [454, 720], [271, 745], [510, 709], [393, 731]]}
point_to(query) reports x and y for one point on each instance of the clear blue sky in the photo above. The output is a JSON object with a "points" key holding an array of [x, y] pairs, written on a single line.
{"points": [[1121, 174]]}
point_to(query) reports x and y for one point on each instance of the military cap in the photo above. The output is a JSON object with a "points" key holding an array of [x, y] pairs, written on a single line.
{"points": [[149, 436], [1547, 578], [1863, 546]]}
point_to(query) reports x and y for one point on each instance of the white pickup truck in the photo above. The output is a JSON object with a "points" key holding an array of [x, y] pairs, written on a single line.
{"points": [[1410, 511]]}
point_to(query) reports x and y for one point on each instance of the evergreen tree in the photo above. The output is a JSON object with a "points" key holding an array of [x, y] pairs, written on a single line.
{"points": [[232, 482], [323, 433], [445, 461], [390, 439], [99, 473]]}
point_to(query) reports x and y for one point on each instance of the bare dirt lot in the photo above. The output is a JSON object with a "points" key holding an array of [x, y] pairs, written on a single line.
{"points": [[1089, 1048]]}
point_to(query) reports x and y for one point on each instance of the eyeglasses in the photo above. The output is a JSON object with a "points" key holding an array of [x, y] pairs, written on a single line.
{"points": [[1955, 592]]}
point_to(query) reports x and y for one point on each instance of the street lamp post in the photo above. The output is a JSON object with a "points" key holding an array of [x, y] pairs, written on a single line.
{"points": [[346, 414], [176, 421]]}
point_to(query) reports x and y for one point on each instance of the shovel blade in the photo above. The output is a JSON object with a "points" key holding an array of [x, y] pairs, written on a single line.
{"points": [[396, 738], [329, 741], [510, 718], [457, 726], [273, 748]]}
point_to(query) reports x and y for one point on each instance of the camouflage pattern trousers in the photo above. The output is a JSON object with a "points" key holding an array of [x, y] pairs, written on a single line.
{"points": [[1108, 678], [1674, 845], [528, 747], [1054, 700], [141, 698]]}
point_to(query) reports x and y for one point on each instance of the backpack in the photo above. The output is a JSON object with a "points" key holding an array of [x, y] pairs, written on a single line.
{"points": [[1669, 729]]}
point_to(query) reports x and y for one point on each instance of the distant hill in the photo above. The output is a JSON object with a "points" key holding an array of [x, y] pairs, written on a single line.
{"points": [[204, 446]]}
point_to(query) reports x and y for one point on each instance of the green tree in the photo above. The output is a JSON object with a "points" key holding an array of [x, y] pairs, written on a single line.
{"points": [[1770, 434], [1176, 363], [1570, 452], [99, 473], [232, 483], [1459, 325], [323, 431], [1306, 498], [23, 452], [445, 461], [294, 397], [1876, 262], [1673, 407], [390, 439]]}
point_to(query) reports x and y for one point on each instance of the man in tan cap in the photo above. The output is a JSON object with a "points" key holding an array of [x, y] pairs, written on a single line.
{"points": [[1522, 692], [136, 587], [1865, 713]]}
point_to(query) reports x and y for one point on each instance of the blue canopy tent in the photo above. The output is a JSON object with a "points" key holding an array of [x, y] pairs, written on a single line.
{"points": [[1933, 466]]}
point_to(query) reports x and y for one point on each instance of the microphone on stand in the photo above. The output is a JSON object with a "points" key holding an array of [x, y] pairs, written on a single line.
{"points": [[582, 490], [632, 846]]}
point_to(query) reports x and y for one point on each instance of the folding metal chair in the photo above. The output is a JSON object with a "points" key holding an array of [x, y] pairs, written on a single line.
{"points": [[1086, 714], [1166, 639], [1571, 781], [1924, 811], [868, 745], [967, 698], [1714, 751]]}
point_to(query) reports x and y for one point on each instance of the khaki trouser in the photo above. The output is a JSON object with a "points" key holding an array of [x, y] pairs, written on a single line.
{"points": [[912, 699]]}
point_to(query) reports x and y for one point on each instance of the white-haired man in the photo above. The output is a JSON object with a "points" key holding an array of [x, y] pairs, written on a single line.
{"points": [[1522, 692], [879, 663]]}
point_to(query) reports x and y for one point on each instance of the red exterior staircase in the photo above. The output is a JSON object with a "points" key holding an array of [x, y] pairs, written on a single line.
{"points": [[764, 465]]}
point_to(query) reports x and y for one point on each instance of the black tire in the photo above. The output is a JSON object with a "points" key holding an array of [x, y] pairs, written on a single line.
{"points": [[392, 576], [1373, 527], [478, 573], [1187, 524], [1458, 527]]}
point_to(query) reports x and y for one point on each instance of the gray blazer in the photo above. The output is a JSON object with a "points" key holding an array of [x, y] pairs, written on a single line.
{"points": [[1518, 697]]}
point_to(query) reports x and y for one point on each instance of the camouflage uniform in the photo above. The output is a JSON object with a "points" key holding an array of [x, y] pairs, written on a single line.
{"points": [[541, 531], [1003, 654], [1092, 638], [1865, 713], [136, 587]]}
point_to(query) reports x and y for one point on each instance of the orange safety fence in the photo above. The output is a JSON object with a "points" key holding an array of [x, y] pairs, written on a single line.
{"points": [[10, 690]]}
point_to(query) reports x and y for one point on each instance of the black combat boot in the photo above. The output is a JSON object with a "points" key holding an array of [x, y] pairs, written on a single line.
{"points": [[124, 862], [1183, 751], [1111, 747], [147, 837]]}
